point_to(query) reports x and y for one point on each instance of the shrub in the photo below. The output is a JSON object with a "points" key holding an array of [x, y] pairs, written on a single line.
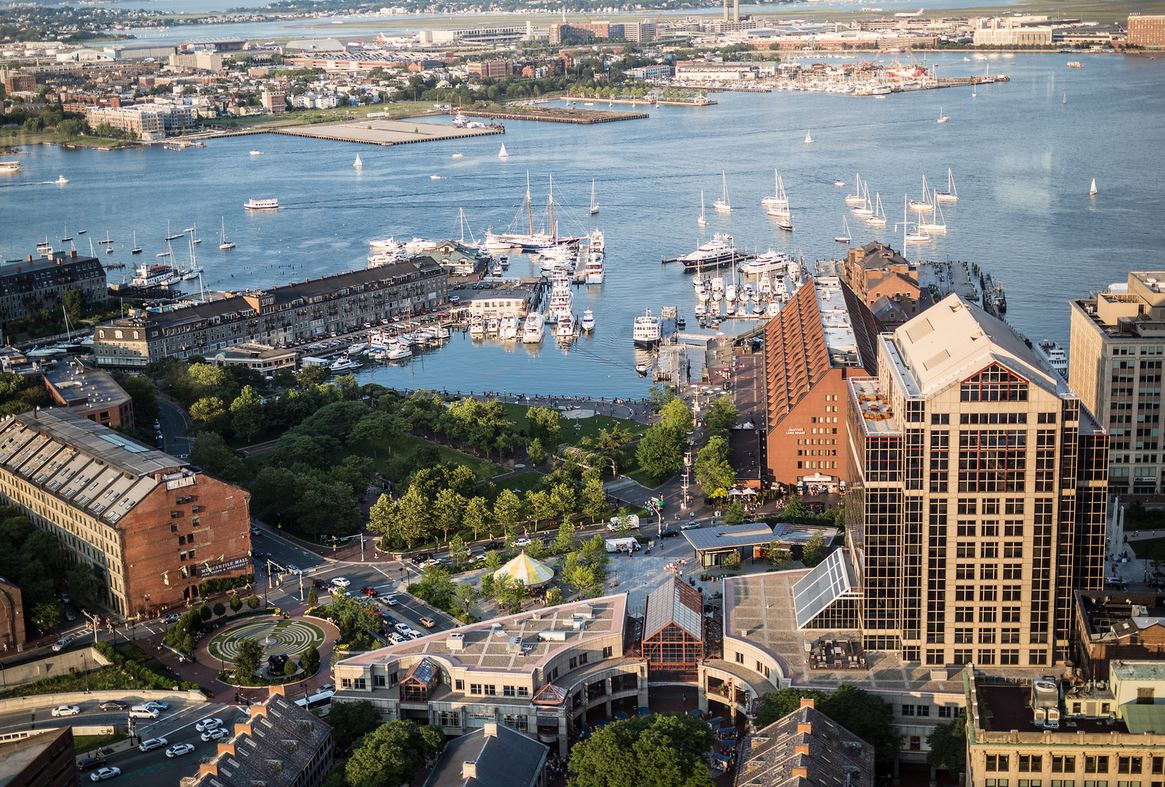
{"points": [[289, 668], [253, 602], [219, 609], [236, 603], [204, 612]]}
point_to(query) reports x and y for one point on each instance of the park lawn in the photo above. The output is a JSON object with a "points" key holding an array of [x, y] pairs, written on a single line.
{"points": [[393, 111], [575, 429], [1149, 548], [520, 482], [86, 743], [482, 468]]}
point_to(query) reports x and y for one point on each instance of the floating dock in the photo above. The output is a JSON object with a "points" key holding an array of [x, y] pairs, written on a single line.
{"points": [[582, 117], [385, 132]]}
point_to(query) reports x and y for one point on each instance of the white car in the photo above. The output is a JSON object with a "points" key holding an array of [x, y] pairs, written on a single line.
{"points": [[413, 634], [151, 744], [177, 750], [395, 638], [214, 734], [403, 628], [340, 582], [62, 643], [208, 724], [67, 710], [101, 774], [389, 600], [523, 542]]}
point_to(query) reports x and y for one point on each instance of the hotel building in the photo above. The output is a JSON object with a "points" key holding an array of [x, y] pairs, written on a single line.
{"points": [[1114, 364], [151, 526]]}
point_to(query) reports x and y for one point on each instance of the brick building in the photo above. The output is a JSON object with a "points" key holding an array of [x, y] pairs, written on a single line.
{"points": [[11, 617], [89, 392], [150, 525], [886, 282], [823, 336], [19, 82], [491, 69], [1147, 31], [44, 759], [33, 285]]}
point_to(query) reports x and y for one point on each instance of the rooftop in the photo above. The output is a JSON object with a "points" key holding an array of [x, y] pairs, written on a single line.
{"points": [[805, 747], [18, 755], [674, 602], [80, 385], [754, 534], [515, 643], [500, 757], [876, 411], [90, 466], [60, 258]]}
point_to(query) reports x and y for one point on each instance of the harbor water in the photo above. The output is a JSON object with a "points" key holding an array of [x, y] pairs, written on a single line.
{"points": [[1023, 154]]}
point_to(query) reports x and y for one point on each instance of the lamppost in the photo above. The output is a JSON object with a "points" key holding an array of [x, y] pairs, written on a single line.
{"points": [[684, 481]]}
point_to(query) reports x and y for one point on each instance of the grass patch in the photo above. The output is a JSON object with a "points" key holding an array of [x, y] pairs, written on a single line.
{"points": [[575, 429], [521, 482], [87, 743], [409, 445], [393, 111], [1149, 548], [54, 137]]}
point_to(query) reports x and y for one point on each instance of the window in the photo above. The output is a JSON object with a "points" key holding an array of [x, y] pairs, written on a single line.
{"points": [[1063, 763], [1128, 764], [509, 691], [475, 688], [1095, 764], [360, 683], [1031, 763], [997, 762], [907, 710], [947, 711], [739, 658], [459, 684], [607, 652], [491, 690]]}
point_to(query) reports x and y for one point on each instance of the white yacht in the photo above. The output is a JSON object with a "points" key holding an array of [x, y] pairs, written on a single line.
{"points": [[509, 328], [594, 208], [477, 326], [1055, 356], [398, 352], [857, 198], [717, 288], [564, 328], [778, 199], [645, 331], [491, 326], [587, 323], [156, 275], [719, 251], [935, 225], [533, 329], [343, 364], [594, 269], [767, 263], [9, 167]]}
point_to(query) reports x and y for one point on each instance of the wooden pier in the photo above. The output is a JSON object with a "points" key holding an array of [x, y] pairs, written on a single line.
{"points": [[581, 117]]}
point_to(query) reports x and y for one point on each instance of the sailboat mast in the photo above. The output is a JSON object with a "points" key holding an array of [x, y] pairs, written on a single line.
{"points": [[529, 208], [550, 208]]}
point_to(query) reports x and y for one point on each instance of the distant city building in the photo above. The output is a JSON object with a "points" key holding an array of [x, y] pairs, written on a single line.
{"points": [[1147, 31], [1116, 350], [822, 337], [578, 32], [18, 82], [262, 358], [484, 36], [150, 525], [635, 32], [1010, 32], [650, 73], [275, 102], [805, 747], [280, 744], [491, 69], [88, 392], [146, 122], [886, 282], [44, 759], [287, 315], [12, 634], [492, 756], [32, 285], [711, 71], [539, 672], [202, 61], [979, 504]]}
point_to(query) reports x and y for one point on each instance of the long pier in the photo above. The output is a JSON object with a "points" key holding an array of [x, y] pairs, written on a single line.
{"points": [[386, 132], [581, 117]]}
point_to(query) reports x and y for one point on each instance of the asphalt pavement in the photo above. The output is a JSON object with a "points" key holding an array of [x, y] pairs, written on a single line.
{"points": [[41, 717]]}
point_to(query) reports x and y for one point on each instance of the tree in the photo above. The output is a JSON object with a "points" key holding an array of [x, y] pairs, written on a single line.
{"points": [[377, 430], [435, 586], [236, 603], [540, 505], [948, 746], [545, 424], [814, 550], [313, 598], [412, 517], [721, 415], [219, 609], [508, 509], [562, 500], [661, 451], [793, 509], [466, 596], [457, 550], [209, 411], [535, 452], [509, 593], [289, 667], [653, 750], [248, 654], [247, 413], [204, 612], [731, 560], [392, 753], [734, 514], [253, 602], [476, 516], [447, 510], [677, 415], [593, 499], [45, 616], [309, 660], [74, 303], [564, 542], [85, 587], [351, 720], [714, 473], [381, 517]]}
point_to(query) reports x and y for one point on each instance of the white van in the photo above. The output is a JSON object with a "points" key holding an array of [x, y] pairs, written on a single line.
{"points": [[143, 712]]}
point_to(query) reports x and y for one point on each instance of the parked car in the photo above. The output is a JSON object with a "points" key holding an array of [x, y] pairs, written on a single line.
{"points": [[669, 533], [429, 562], [403, 628], [395, 638], [91, 761], [62, 643], [66, 710], [428, 622], [173, 617], [215, 734], [369, 591], [690, 525], [178, 749], [389, 600], [152, 743], [113, 705], [144, 712], [101, 774], [208, 724], [522, 542], [413, 634], [158, 705], [341, 582]]}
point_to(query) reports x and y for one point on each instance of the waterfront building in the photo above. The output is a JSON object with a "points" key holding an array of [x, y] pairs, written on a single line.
{"points": [[490, 69], [43, 759], [1024, 732], [1010, 31], [673, 629], [979, 501], [90, 393], [806, 747], [651, 73], [11, 617], [31, 285], [1146, 31], [151, 526], [821, 338], [280, 744], [492, 756], [542, 672], [281, 316], [146, 122], [1116, 348], [454, 257], [886, 282], [262, 358], [505, 299], [713, 71]]}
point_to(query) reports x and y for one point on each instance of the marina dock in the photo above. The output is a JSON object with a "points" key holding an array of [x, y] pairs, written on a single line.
{"points": [[582, 117], [385, 132]]}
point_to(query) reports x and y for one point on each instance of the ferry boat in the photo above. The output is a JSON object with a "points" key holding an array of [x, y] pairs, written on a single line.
{"points": [[1055, 356], [156, 275], [9, 167], [509, 328], [261, 204], [719, 251], [645, 330], [533, 329], [588, 321]]}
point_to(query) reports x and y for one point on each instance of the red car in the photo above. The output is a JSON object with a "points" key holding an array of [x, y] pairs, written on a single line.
{"points": [[369, 591]]}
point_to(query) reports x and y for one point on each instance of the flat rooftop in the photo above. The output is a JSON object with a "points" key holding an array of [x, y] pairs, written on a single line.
{"points": [[491, 646], [1006, 706], [81, 385], [875, 409], [835, 322], [384, 132]]}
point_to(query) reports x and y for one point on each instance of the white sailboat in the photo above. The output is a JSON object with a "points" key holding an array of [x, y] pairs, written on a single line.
{"points": [[951, 194], [857, 198], [937, 224], [923, 204], [358, 164], [844, 237], [941, 117], [136, 249], [808, 138], [878, 219], [223, 243], [778, 199], [594, 203], [701, 220], [865, 209], [918, 236], [502, 154], [1092, 188], [723, 205]]}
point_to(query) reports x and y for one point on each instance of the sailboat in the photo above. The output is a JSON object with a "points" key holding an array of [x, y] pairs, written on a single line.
{"points": [[879, 217], [701, 220], [779, 200], [170, 235], [857, 198], [723, 205], [223, 243], [358, 164], [844, 237], [974, 93], [502, 154], [67, 237], [864, 210], [194, 234], [951, 194], [941, 117], [923, 204], [136, 248], [1092, 188], [1064, 98], [808, 138], [918, 236], [594, 203], [937, 224]]}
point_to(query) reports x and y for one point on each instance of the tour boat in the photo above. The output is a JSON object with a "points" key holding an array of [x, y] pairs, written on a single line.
{"points": [[533, 329], [594, 203], [223, 243], [778, 199], [358, 164], [502, 154], [1055, 356], [261, 204], [844, 237], [458, 155], [951, 194], [645, 330], [156, 275], [723, 205], [588, 321], [61, 180], [9, 167]]}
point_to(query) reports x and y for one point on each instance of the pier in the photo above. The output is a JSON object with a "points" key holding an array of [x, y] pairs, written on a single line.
{"points": [[385, 132], [581, 117]]}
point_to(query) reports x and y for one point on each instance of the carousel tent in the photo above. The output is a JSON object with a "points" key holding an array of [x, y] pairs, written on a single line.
{"points": [[530, 572]]}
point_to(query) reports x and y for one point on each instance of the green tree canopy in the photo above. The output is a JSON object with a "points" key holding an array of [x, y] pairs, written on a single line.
{"points": [[714, 473], [392, 754], [948, 746], [721, 415], [647, 751], [660, 452], [814, 550], [248, 654], [351, 720]]}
